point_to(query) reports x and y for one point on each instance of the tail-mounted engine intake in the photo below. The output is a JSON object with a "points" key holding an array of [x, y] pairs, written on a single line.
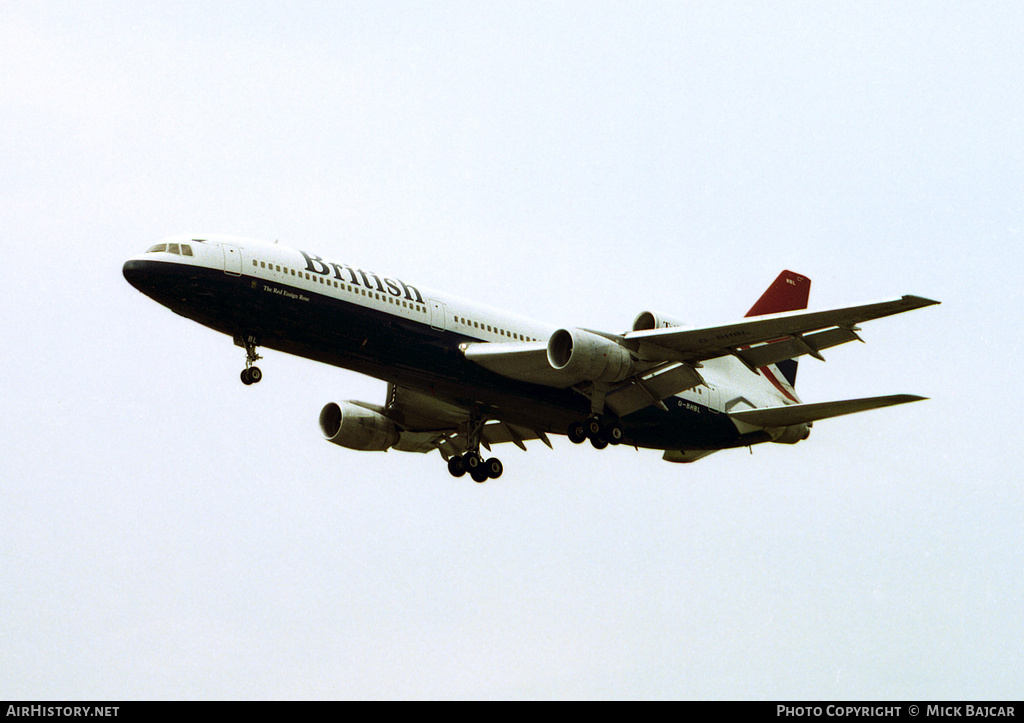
{"points": [[585, 356], [647, 320], [350, 425]]}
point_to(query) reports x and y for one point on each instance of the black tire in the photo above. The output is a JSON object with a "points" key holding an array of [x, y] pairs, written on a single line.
{"points": [[471, 461], [592, 427], [576, 433], [255, 375], [494, 467], [598, 443], [612, 433], [246, 379], [456, 467], [479, 474]]}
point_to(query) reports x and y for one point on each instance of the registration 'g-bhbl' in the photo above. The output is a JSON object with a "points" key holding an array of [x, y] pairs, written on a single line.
{"points": [[464, 376]]}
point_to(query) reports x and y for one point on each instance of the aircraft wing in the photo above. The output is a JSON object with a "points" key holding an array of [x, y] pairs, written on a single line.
{"points": [[802, 413], [763, 340], [428, 423]]}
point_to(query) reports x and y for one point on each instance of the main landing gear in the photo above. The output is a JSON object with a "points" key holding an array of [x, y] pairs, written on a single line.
{"points": [[479, 469], [472, 461], [251, 374], [600, 433]]}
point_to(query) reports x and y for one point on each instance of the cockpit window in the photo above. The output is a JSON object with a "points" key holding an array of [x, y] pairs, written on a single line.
{"points": [[179, 249]]}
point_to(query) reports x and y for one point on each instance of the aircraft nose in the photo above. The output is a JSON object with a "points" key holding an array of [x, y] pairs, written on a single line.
{"points": [[133, 272]]}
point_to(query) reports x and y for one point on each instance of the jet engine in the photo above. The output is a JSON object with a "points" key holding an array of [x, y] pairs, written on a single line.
{"points": [[646, 320], [585, 356], [349, 425]]}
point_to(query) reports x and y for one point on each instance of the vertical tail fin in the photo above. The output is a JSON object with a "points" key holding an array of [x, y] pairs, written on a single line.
{"points": [[789, 292]]}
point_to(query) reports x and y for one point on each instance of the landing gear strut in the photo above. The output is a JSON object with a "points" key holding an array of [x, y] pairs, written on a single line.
{"points": [[251, 374], [472, 461]]}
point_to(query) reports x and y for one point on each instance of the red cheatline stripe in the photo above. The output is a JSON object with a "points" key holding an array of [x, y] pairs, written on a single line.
{"points": [[770, 376]]}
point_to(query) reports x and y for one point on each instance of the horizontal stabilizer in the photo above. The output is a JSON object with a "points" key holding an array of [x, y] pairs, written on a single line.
{"points": [[803, 413]]}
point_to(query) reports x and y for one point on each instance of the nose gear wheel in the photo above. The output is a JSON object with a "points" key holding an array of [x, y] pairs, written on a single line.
{"points": [[251, 374]]}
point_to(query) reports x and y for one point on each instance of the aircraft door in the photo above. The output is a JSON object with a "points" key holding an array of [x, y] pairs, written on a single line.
{"points": [[232, 259], [436, 315], [714, 398]]}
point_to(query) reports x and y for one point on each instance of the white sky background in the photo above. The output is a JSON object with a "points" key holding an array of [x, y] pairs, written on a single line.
{"points": [[166, 532]]}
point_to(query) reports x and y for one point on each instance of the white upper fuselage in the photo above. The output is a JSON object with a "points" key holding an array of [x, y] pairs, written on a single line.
{"points": [[730, 385]]}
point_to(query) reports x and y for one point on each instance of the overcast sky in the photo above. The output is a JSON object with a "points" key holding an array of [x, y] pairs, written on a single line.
{"points": [[166, 532]]}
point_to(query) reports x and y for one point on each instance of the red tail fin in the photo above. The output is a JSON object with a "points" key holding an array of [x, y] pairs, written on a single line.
{"points": [[788, 292]]}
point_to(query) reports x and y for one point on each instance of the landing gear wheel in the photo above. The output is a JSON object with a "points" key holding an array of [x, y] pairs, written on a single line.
{"points": [[479, 474], [472, 462], [592, 427], [251, 374], [493, 467], [598, 443], [456, 466], [612, 433], [576, 433]]}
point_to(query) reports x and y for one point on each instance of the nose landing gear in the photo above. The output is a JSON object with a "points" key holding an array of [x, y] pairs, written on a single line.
{"points": [[251, 374]]}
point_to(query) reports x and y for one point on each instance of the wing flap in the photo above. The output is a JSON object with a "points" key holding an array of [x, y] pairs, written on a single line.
{"points": [[803, 413], [643, 391], [427, 423], [795, 346]]}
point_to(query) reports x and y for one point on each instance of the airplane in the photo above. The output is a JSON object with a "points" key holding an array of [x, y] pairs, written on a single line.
{"points": [[462, 375]]}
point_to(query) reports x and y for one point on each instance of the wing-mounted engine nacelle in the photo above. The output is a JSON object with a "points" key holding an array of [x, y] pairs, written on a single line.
{"points": [[794, 434], [350, 425], [584, 356], [647, 320]]}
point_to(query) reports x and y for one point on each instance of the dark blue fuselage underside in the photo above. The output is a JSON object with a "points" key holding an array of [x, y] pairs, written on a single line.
{"points": [[404, 351]]}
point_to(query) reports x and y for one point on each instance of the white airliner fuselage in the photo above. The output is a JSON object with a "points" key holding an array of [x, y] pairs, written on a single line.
{"points": [[462, 374]]}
